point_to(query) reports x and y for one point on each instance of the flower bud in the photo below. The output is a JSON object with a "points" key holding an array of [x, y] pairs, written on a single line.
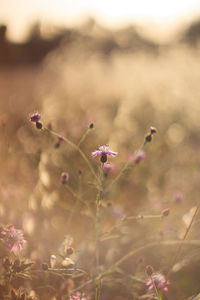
{"points": [[149, 270], [166, 212]]}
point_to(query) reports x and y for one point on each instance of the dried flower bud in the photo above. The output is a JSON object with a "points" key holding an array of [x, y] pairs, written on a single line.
{"points": [[38, 125], [166, 212], [153, 130], [148, 138], [149, 270], [91, 126], [45, 267], [80, 172], [64, 177]]}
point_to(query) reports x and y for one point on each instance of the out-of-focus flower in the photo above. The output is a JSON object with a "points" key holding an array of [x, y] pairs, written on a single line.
{"points": [[139, 156], [160, 282], [78, 296], [108, 168], [103, 151], [178, 197], [35, 117], [14, 238], [60, 139], [64, 177], [53, 261]]}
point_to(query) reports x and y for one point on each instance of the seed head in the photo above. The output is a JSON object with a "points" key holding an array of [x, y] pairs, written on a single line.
{"points": [[166, 212]]}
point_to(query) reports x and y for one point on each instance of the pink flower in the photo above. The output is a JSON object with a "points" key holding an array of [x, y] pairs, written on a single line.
{"points": [[14, 238], [139, 156], [103, 151], [160, 282], [64, 177], [35, 117], [108, 168], [78, 296], [178, 197]]}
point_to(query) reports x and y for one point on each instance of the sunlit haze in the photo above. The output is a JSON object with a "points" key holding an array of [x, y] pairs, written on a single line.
{"points": [[19, 14]]}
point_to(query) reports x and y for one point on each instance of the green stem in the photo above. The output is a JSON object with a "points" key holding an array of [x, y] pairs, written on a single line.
{"points": [[155, 288], [183, 239], [79, 150], [113, 269]]}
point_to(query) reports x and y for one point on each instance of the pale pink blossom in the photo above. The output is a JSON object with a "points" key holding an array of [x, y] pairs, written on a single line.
{"points": [[139, 156], [159, 280], [109, 167], [14, 238], [78, 296]]}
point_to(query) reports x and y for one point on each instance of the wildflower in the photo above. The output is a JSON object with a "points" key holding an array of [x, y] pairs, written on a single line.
{"points": [[60, 139], [139, 156], [64, 177], [108, 168], [35, 118], [103, 151], [78, 296], [159, 281], [148, 137], [178, 197], [14, 238]]}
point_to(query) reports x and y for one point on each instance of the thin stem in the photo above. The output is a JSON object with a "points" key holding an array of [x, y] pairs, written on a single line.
{"points": [[114, 268], [83, 137], [123, 169], [155, 288], [97, 231], [183, 239], [78, 149], [124, 219]]}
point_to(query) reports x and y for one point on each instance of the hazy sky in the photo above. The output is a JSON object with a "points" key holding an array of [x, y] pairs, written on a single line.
{"points": [[18, 14]]}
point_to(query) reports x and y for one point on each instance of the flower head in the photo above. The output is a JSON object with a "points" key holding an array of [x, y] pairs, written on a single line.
{"points": [[64, 177], [139, 156], [78, 296], [108, 168], [14, 238], [178, 197], [159, 280], [103, 151], [35, 117]]}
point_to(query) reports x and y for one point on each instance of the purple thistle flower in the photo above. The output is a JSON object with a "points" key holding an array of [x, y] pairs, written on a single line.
{"points": [[159, 281], [139, 156], [14, 238], [64, 177], [78, 296], [35, 117], [103, 151]]}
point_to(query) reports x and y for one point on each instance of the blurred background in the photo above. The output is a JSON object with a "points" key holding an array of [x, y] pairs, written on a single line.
{"points": [[125, 66]]}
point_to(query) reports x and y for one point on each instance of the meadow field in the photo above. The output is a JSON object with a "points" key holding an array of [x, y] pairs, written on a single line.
{"points": [[81, 220]]}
